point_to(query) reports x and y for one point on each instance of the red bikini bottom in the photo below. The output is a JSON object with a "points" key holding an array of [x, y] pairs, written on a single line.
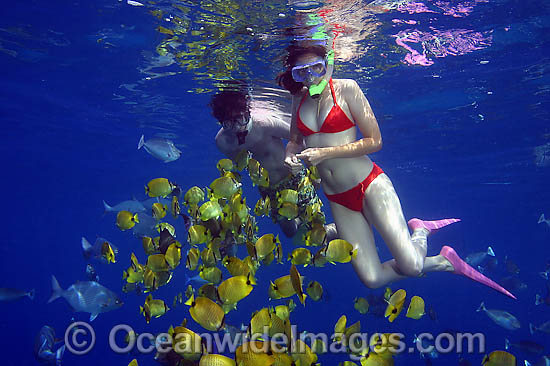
{"points": [[353, 198]]}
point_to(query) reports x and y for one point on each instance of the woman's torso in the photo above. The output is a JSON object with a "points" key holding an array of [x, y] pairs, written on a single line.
{"points": [[337, 174]]}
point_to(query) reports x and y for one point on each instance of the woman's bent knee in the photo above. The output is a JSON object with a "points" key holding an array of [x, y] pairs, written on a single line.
{"points": [[410, 268]]}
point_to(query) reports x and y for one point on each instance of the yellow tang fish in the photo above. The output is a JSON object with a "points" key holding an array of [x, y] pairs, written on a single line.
{"points": [[319, 259], [234, 289], [387, 293], [211, 274], [254, 353], [300, 257], [416, 308], [149, 245], [265, 245], [340, 328], [355, 328], [361, 305], [316, 236], [287, 195], [282, 287], [395, 304], [241, 160], [206, 312], [216, 360], [173, 255], [157, 263], [198, 234], [192, 259], [499, 358], [283, 311], [166, 226], [373, 359], [208, 258], [159, 187], [268, 259], [126, 220], [225, 165], [302, 354], [315, 290], [224, 187], [279, 253], [296, 280], [107, 252], [208, 290], [175, 208], [288, 210], [235, 266], [210, 210], [153, 308], [263, 181], [319, 346], [133, 363], [253, 167], [193, 196], [263, 207], [260, 322], [187, 343], [159, 210], [339, 250]]}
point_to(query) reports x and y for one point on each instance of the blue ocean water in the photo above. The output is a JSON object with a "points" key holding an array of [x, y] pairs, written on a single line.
{"points": [[465, 129]]}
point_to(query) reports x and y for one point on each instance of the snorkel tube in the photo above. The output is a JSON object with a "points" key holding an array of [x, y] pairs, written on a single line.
{"points": [[315, 90], [319, 33]]}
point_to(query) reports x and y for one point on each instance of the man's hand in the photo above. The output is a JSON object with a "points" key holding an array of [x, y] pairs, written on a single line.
{"points": [[293, 164], [313, 156]]}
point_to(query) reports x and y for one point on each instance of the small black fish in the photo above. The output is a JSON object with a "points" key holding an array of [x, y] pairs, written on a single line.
{"points": [[525, 346]]}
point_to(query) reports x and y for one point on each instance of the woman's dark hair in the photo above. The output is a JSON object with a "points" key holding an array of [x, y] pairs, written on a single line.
{"points": [[295, 51], [229, 102]]}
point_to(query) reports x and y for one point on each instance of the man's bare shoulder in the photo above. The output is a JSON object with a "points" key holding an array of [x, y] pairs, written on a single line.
{"points": [[226, 142]]}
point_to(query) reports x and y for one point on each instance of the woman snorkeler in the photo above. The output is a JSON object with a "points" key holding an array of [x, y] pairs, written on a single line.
{"points": [[325, 112]]}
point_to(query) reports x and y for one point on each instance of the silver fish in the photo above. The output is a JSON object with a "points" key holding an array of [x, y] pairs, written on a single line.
{"points": [[87, 296], [44, 344], [94, 251], [12, 294], [500, 317], [145, 226], [160, 148], [544, 327], [133, 206], [475, 259], [148, 203]]}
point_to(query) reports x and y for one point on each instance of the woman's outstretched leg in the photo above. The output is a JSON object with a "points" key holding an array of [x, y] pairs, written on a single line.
{"points": [[353, 228]]}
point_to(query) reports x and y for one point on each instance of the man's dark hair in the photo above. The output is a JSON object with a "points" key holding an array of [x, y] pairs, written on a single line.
{"points": [[232, 100]]}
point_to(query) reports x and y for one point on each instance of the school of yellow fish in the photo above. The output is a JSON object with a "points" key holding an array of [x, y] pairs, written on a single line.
{"points": [[220, 214]]}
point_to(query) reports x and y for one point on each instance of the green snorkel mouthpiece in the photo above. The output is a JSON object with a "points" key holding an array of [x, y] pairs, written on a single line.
{"points": [[316, 90]]}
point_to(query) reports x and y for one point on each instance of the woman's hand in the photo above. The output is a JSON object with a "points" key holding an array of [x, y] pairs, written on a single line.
{"points": [[313, 156], [292, 163]]}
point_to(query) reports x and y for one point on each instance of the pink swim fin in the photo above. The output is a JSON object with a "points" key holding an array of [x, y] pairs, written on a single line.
{"points": [[463, 268], [431, 226]]}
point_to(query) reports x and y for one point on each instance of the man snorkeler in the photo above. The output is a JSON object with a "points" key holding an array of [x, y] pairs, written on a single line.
{"points": [[260, 128]]}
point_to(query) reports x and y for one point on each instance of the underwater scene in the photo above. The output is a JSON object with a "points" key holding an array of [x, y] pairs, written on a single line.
{"points": [[286, 183]]}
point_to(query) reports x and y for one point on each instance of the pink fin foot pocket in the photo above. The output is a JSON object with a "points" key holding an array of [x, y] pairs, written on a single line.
{"points": [[464, 269], [431, 226]]}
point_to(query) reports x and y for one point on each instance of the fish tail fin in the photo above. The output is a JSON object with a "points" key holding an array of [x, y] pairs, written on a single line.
{"points": [[481, 307], [490, 251], [30, 294], [59, 355], [141, 142], [541, 219], [531, 328], [57, 291], [106, 207], [506, 343]]}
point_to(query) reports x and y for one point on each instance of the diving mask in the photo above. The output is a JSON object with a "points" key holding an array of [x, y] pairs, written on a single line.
{"points": [[301, 73]]}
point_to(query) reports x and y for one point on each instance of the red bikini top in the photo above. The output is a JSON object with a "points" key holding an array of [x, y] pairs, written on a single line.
{"points": [[336, 121]]}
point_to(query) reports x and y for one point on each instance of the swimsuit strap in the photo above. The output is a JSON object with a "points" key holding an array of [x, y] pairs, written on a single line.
{"points": [[332, 92]]}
